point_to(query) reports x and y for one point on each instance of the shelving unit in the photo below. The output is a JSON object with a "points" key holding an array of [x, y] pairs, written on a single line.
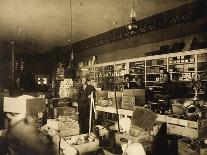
{"points": [[137, 70], [151, 68], [154, 71]]}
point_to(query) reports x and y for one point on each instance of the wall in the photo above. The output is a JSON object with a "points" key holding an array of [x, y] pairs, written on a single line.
{"points": [[139, 45]]}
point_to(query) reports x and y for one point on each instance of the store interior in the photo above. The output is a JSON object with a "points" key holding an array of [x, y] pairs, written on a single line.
{"points": [[103, 77]]}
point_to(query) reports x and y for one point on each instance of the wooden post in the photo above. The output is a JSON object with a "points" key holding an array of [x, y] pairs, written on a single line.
{"points": [[12, 64]]}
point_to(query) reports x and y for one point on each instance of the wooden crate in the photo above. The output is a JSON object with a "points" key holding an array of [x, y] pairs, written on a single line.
{"points": [[52, 123], [186, 128]]}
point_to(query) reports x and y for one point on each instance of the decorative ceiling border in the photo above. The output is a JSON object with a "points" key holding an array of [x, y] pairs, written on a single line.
{"points": [[180, 15]]}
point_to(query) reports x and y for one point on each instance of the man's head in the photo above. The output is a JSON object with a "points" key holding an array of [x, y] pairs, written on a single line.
{"points": [[127, 78], [140, 81], [166, 76], [84, 80]]}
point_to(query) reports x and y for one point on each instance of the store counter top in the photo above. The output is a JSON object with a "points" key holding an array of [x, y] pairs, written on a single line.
{"points": [[187, 128]]}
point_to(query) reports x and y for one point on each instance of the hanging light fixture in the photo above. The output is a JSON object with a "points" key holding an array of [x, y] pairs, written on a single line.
{"points": [[19, 64], [132, 25], [71, 33]]}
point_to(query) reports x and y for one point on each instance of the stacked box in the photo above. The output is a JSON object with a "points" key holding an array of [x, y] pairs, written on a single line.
{"points": [[101, 95], [128, 102], [103, 103], [102, 98], [132, 98], [111, 97], [65, 111]]}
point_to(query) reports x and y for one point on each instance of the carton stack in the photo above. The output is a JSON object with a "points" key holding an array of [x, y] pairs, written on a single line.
{"points": [[66, 88], [132, 98], [102, 98], [111, 98]]}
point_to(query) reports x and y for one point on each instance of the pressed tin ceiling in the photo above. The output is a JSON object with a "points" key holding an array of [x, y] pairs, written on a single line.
{"points": [[43, 24]]}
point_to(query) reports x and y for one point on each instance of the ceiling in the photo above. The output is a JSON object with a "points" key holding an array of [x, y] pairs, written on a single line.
{"points": [[43, 24]]}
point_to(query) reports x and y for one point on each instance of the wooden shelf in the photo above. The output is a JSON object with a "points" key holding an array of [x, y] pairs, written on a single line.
{"points": [[155, 86], [181, 63], [182, 72], [136, 74], [153, 81], [154, 73], [138, 67], [157, 66], [202, 71], [202, 61]]}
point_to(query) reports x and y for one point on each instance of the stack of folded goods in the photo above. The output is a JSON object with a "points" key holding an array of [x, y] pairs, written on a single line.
{"points": [[112, 101], [132, 98], [102, 98]]}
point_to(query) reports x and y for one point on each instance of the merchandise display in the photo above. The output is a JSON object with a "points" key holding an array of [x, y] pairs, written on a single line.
{"points": [[111, 86], [66, 88]]}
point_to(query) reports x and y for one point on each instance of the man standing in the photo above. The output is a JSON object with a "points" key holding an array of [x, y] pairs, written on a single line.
{"points": [[84, 100]]}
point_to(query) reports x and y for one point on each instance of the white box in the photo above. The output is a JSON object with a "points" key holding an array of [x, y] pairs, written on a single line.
{"points": [[24, 105]]}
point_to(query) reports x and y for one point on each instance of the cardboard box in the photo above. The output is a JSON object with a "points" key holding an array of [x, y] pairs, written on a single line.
{"points": [[24, 105], [128, 102], [65, 111], [69, 132], [112, 94], [138, 94], [103, 103], [101, 95], [128, 99], [133, 92]]}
